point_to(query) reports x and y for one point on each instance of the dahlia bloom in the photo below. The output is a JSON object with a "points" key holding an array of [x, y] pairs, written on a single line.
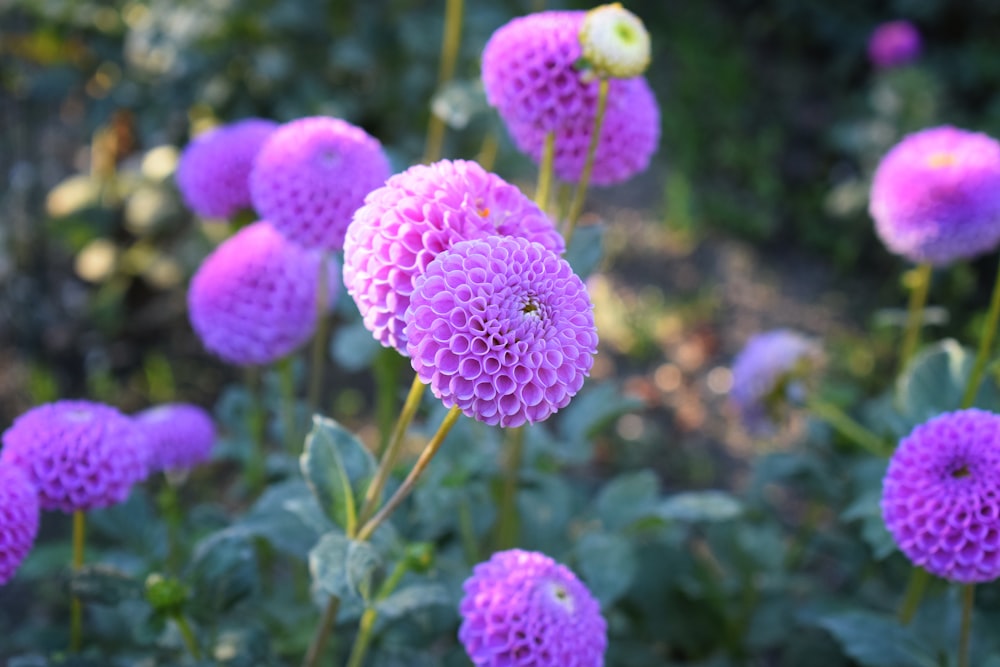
{"points": [[941, 496], [18, 519], [502, 328], [312, 174], [253, 300], [180, 435], [615, 42], [768, 371], [213, 174], [417, 215], [936, 196], [893, 44], [523, 608], [79, 455]]}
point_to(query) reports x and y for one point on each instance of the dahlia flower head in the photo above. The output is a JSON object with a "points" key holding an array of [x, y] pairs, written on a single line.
{"points": [[253, 299], [502, 328], [531, 77], [18, 519], [615, 42], [893, 44], [935, 197], [213, 174], [419, 214], [180, 435], [312, 174], [772, 369], [941, 496], [79, 455], [523, 608]]}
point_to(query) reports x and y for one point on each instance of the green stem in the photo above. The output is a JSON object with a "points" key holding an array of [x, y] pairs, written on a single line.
{"points": [[373, 495], [919, 280], [286, 381], [507, 522], [189, 639], [449, 56], [170, 507], [367, 623], [965, 633], [386, 370], [914, 593], [317, 357], [545, 171], [985, 345], [467, 532], [256, 465], [846, 426], [576, 208], [418, 468], [76, 607], [323, 633], [487, 155]]}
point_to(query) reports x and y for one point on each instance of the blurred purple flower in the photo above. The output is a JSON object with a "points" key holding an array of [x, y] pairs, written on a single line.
{"points": [[312, 174], [523, 608], [941, 496], [502, 328], [894, 43], [936, 196], [180, 435], [79, 455], [18, 519], [214, 170], [419, 214]]}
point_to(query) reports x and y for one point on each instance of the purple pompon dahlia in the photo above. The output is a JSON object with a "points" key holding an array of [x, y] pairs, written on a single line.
{"points": [[941, 496], [214, 170], [893, 44], [417, 215], [180, 435], [521, 608], [502, 328], [18, 519], [630, 135], [312, 174], [936, 196], [771, 369], [79, 455], [253, 300]]}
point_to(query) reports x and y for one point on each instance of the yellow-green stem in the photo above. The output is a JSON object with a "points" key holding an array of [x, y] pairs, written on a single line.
{"points": [[76, 607], [367, 623], [373, 495], [919, 281], [985, 345], [317, 358], [507, 522], [487, 155], [576, 208], [467, 532], [286, 381], [847, 426], [188, 635], [965, 632], [919, 578], [323, 632], [411, 480], [449, 56], [256, 464], [170, 507], [545, 171], [386, 370]]}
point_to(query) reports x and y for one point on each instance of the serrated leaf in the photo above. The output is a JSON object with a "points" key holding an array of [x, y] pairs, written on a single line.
{"points": [[412, 598], [344, 567], [627, 498], [608, 565], [337, 468], [877, 641], [104, 584], [698, 506]]}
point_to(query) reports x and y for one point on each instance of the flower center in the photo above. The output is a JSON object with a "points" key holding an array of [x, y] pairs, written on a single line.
{"points": [[561, 596], [942, 159], [960, 472], [625, 33]]}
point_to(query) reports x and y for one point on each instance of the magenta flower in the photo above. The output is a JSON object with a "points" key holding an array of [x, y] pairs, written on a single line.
{"points": [[18, 519], [419, 214], [79, 455], [253, 300], [180, 435], [522, 608], [893, 44], [936, 196], [941, 496], [770, 370], [214, 170], [502, 328], [312, 174]]}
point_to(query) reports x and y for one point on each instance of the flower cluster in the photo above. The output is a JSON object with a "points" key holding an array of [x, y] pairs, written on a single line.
{"points": [[18, 519], [893, 44], [935, 197], [180, 435], [941, 496], [521, 608]]}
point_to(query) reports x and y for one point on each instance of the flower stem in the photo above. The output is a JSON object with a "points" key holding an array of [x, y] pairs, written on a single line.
{"points": [[386, 370], [507, 522], [968, 598], [487, 155], [76, 607], [545, 171], [449, 55], [255, 467], [189, 639], [919, 282], [317, 358], [576, 208], [323, 631], [418, 468], [286, 380], [985, 345], [374, 493], [846, 426], [914, 593], [171, 509], [367, 623]]}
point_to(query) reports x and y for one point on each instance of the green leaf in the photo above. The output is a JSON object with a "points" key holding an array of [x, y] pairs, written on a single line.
{"points": [[407, 600], [627, 499], [353, 347], [223, 573], [608, 565], [586, 249], [874, 640], [344, 567], [698, 506], [868, 510], [592, 409], [338, 469], [104, 584], [287, 516]]}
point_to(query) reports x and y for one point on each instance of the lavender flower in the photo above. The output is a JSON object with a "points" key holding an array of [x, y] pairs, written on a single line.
{"points": [[18, 519], [768, 371], [502, 328], [311, 176], [417, 215], [79, 455], [893, 44], [523, 608], [214, 170], [941, 496], [253, 300], [936, 196], [180, 435]]}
